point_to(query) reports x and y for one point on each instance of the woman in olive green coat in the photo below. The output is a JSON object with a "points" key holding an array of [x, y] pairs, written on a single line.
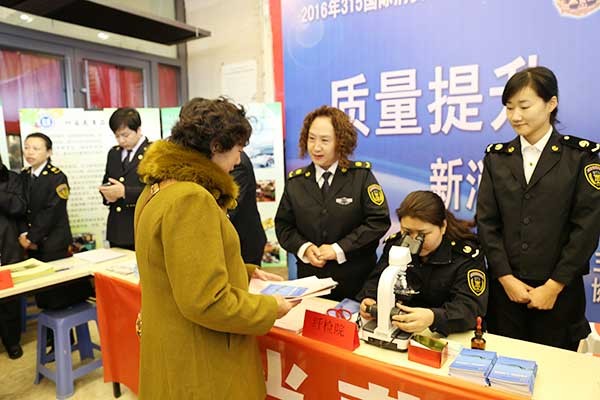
{"points": [[199, 321]]}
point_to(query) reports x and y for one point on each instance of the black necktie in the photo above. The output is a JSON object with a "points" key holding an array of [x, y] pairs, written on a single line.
{"points": [[126, 160], [325, 187]]}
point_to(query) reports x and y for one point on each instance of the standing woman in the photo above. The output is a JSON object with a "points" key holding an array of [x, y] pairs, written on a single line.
{"points": [[538, 218], [45, 231], [12, 207], [333, 212], [199, 321]]}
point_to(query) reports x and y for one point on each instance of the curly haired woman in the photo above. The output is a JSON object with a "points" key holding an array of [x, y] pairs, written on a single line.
{"points": [[333, 212]]}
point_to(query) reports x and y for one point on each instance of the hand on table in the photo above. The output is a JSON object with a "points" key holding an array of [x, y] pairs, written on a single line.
{"points": [[413, 319]]}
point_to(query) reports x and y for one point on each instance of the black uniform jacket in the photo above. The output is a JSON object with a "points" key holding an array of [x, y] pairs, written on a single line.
{"points": [[354, 214], [452, 283], [119, 227], [548, 228], [46, 221], [12, 207], [245, 217]]}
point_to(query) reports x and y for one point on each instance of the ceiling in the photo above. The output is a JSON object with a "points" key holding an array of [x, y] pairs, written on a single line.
{"points": [[120, 20]]}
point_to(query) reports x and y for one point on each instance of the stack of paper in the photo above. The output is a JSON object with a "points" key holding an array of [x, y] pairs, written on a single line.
{"points": [[28, 269], [514, 374], [294, 320], [296, 289], [473, 365], [98, 255]]}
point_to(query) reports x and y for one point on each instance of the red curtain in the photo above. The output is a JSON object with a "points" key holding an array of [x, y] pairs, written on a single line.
{"points": [[29, 80], [168, 86], [115, 86]]}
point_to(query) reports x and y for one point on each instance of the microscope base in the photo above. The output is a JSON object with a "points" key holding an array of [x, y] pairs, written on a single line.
{"points": [[397, 340]]}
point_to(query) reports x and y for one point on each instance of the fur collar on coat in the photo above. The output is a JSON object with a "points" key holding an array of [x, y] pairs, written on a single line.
{"points": [[166, 160]]}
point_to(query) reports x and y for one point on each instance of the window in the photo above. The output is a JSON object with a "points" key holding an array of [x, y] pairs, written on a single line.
{"points": [[168, 85], [29, 80], [111, 85]]}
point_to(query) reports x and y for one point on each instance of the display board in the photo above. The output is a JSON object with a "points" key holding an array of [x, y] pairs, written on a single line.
{"points": [[422, 80], [81, 140]]}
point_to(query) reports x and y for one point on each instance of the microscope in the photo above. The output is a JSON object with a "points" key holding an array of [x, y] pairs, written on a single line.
{"points": [[392, 287]]}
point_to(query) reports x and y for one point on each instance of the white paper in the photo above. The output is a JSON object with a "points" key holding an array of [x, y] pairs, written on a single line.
{"points": [[98, 255], [294, 320], [295, 289]]}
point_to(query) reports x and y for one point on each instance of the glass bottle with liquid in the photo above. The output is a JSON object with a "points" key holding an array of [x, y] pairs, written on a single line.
{"points": [[478, 342]]}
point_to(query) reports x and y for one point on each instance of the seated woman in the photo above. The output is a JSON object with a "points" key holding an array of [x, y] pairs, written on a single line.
{"points": [[449, 273]]}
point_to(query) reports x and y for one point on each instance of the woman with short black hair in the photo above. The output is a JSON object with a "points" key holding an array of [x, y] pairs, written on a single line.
{"points": [[538, 218]]}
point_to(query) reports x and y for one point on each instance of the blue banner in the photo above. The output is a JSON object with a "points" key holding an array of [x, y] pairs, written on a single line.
{"points": [[423, 79]]}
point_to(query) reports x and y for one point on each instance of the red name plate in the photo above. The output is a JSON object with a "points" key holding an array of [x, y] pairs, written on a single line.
{"points": [[336, 331], [5, 279]]}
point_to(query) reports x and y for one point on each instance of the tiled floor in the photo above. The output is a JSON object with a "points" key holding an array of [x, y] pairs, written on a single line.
{"points": [[16, 376]]}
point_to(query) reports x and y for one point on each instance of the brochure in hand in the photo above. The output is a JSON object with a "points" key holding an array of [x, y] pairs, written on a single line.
{"points": [[513, 374], [296, 289], [473, 365]]}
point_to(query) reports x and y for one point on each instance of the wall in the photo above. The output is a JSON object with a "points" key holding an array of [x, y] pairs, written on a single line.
{"points": [[240, 32]]}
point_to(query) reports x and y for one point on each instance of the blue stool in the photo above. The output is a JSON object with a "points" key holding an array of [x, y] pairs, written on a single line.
{"points": [[61, 322], [24, 317]]}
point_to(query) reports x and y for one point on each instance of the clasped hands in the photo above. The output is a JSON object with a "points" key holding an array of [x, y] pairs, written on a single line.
{"points": [[26, 243], [113, 192], [542, 297], [318, 256]]}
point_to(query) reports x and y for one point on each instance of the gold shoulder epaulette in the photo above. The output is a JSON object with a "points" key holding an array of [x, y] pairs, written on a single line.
{"points": [[360, 164], [465, 248], [391, 237], [500, 148], [581, 144], [297, 172], [52, 168]]}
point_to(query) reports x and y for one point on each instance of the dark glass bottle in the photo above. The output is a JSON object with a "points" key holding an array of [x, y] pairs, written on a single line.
{"points": [[478, 342]]}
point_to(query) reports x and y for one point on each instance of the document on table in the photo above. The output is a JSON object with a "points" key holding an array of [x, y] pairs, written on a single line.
{"points": [[294, 320], [296, 289], [98, 255], [28, 269]]}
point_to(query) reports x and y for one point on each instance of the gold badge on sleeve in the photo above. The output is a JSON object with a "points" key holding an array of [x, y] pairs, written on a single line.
{"points": [[476, 279], [62, 191], [592, 174], [376, 194]]}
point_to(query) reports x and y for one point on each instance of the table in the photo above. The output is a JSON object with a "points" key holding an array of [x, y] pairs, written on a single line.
{"points": [[116, 367], [70, 269], [318, 370], [298, 367]]}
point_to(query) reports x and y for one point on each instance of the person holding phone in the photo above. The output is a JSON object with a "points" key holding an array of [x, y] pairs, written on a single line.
{"points": [[121, 185]]}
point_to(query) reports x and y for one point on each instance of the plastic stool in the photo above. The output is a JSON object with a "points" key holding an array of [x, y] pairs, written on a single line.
{"points": [[61, 322], [24, 317]]}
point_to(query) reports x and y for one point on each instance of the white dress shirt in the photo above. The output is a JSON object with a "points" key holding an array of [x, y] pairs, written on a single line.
{"points": [[339, 253], [532, 152], [134, 150]]}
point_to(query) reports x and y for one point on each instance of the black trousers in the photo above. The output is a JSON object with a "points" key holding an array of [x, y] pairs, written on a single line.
{"points": [[10, 322], [562, 327]]}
